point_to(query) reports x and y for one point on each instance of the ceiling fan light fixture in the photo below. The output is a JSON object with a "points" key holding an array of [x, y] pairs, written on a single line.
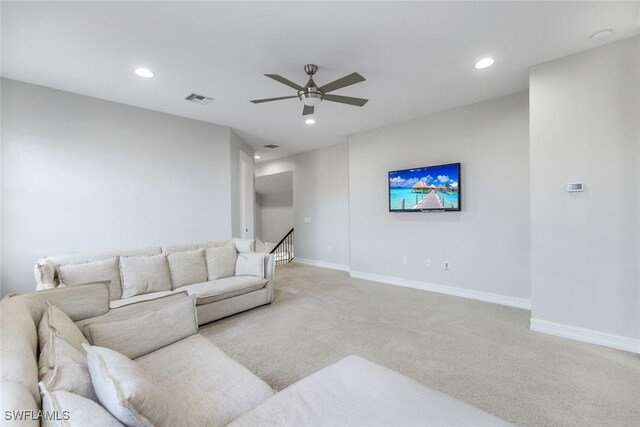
{"points": [[310, 97], [310, 121]]}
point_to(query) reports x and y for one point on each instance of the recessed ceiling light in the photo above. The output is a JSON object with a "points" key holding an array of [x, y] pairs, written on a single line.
{"points": [[256, 157], [484, 63], [310, 121], [143, 72], [600, 35]]}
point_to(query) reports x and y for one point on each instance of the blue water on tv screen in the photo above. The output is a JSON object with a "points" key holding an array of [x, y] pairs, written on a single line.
{"points": [[425, 189]]}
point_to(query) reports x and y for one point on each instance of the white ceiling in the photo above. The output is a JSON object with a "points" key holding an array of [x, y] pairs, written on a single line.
{"points": [[274, 183], [417, 57]]}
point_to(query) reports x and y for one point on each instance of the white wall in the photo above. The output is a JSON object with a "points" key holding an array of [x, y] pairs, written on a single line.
{"points": [[585, 119], [237, 145], [82, 174], [276, 215], [320, 192], [487, 243]]}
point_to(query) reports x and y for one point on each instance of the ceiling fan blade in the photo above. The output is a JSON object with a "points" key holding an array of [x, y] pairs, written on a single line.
{"points": [[306, 110], [258, 101], [284, 81], [358, 102], [349, 80]]}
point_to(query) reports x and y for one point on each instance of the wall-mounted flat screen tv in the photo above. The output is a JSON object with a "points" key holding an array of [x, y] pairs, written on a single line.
{"points": [[430, 188]]}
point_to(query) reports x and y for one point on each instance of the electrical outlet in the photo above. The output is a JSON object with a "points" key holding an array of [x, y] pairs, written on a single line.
{"points": [[447, 266], [330, 249], [428, 263], [404, 260]]}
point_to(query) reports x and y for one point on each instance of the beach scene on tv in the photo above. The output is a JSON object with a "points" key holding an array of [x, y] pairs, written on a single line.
{"points": [[428, 188]]}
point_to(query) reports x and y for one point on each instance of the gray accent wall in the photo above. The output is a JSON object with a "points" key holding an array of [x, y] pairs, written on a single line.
{"points": [[81, 174], [320, 193], [276, 215], [487, 243], [585, 126]]}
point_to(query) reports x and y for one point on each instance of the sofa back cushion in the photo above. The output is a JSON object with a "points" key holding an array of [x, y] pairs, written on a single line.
{"points": [[250, 264], [149, 331], [144, 274], [221, 262], [56, 324], [244, 246], [63, 362], [129, 395], [187, 268], [80, 412], [81, 302], [183, 247], [91, 272]]}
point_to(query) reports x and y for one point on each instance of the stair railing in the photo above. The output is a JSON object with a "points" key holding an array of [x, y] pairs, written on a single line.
{"points": [[284, 250]]}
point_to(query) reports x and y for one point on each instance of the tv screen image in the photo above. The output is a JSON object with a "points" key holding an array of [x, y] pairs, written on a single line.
{"points": [[430, 188]]}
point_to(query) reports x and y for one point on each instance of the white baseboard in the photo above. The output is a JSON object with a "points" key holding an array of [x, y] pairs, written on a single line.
{"points": [[444, 289], [323, 264], [585, 335]]}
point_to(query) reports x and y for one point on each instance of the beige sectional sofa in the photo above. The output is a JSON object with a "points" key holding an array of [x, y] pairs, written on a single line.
{"points": [[145, 364], [226, 276]]}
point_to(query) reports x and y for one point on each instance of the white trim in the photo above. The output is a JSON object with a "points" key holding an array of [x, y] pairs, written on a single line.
{"points": [[323, 264], [586, 335], [444, 289]]}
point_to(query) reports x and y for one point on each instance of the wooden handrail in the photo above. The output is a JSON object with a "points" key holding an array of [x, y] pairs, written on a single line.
{"points": [[281, 241]]}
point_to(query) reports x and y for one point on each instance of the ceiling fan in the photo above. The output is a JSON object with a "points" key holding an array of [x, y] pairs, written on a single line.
{"points": [[311, 95]]}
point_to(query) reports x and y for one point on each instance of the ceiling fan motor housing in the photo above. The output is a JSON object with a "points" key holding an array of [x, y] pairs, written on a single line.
{"points": [[310, 96]]}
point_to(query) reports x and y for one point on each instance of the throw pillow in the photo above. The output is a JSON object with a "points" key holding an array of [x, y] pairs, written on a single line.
{"points": [[72, 410], [250, 264], [140, 335], [221, 262], [187, 268], [91, 272], [243, 245], [144, 274], [124, 389], [63, 362]]}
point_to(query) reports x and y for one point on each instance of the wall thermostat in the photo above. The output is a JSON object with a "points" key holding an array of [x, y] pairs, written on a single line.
{"points": [[575, 186]]}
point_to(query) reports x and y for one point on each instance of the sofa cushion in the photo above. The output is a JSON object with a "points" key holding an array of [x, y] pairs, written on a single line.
{"points": [[133, 310], [144, 274], [221, 262], [56, 324], [355, 391], [137, 336], [225, 389], [217, 290], [80, 412], [82, 302], [138, 298], [187, 268], [130, 395], [63, 362], [250, 264], [91, 272], [243, 245]]}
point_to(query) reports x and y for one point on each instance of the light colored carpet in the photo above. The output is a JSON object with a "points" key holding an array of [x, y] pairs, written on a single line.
{"points": [[481, 353]]}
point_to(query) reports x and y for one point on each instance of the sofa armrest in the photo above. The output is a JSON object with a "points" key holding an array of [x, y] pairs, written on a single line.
{"points": [[269, 273]]}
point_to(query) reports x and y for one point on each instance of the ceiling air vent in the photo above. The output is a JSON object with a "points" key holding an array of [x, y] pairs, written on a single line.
{"points": [[198, 99], [271, 146]]}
